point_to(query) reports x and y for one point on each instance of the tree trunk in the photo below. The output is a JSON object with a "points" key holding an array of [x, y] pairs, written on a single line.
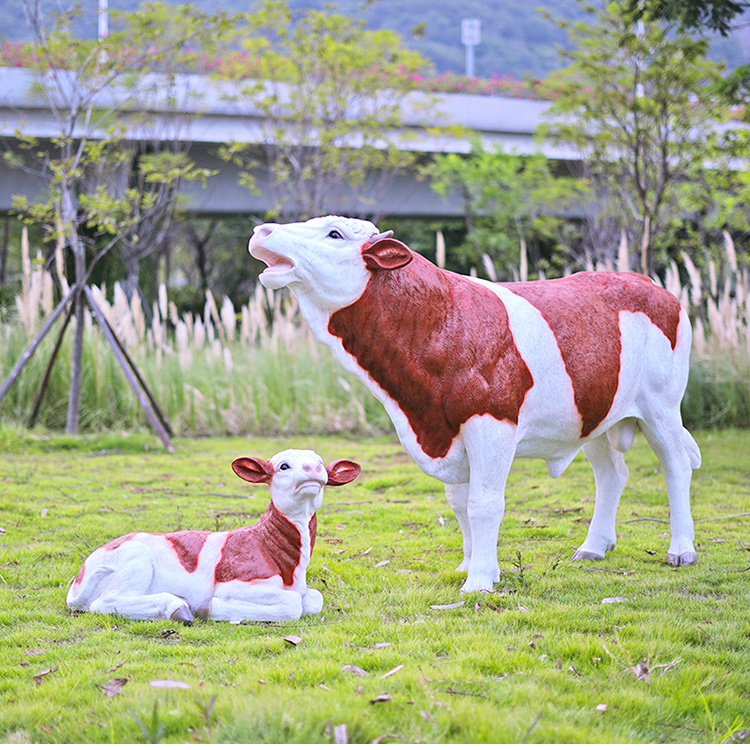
{"points": [[76, 364], [68, 216], [4, 249], [132, 276], [645, 242], [200, 244]]}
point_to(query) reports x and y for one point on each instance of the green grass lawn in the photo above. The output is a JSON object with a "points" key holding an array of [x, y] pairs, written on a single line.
{"points": [[541, 659]]}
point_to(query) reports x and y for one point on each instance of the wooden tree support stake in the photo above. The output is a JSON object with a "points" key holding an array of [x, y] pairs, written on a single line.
{"points": [[35, 343], [50, 365], [117, 351], [134, 378]]}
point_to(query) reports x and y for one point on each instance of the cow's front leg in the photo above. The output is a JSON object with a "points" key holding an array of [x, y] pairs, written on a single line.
{"points": [[458, 499], [239, 601], [490, 447]]}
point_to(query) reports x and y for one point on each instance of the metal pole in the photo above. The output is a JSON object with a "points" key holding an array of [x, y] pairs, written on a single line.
{"points": [[470, 61], [103, 18], [103, 15]]}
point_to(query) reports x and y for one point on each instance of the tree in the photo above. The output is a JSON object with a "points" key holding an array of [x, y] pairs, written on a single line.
{"points": [[510, 201], [102, 188], [332, 96], [714, 15], [638, 104]]}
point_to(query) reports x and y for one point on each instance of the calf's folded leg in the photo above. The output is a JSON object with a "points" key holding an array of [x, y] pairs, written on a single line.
{"points": [[238, 602]]}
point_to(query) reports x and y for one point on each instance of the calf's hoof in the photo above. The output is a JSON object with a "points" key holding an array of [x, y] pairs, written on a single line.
{"points": [[312, 602], [204, 611], [183, 614]]}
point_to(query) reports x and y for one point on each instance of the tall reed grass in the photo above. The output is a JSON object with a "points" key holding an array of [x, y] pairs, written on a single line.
{"points": [[718, 393], [223, 373], [259, 370]]}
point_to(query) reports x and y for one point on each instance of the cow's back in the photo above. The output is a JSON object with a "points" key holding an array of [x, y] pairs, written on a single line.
{"points": [[583, 313]]}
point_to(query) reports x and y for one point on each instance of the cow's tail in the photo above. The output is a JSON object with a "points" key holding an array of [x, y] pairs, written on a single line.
{"points": [[692, 449], [80, 595]]}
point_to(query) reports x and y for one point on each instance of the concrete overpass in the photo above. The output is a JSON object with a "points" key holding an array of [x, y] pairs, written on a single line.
{"points": [[217, 117]]}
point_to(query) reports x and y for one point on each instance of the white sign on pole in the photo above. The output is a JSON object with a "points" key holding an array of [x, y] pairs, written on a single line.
{"points": [[471, 32]]}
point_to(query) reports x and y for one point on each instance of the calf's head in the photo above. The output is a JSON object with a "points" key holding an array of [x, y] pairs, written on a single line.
{"points": [[329, 259], [296, 479]]}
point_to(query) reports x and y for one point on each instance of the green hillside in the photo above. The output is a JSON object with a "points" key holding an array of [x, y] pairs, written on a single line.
{"points": [[516, 39]]}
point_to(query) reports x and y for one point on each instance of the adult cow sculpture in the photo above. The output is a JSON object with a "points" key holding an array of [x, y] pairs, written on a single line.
{"points": [[473, 373]]}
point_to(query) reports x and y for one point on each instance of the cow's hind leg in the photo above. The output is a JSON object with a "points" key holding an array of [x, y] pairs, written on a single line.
{"points": [[610, 475], [144, 606], [678, 455], [458, 499], [126, 590]]}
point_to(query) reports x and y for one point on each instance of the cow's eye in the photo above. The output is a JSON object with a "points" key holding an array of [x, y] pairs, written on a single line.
{"points": [[334, 234], [285, 466]]}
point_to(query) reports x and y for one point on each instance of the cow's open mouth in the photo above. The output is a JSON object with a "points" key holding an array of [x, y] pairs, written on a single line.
{"points": [[274, 261]]}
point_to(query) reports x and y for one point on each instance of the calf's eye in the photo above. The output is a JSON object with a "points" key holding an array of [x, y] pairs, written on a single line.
{"points": [[284, 466], [334, 234]]}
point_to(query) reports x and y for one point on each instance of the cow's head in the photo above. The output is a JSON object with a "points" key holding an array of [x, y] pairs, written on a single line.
{"points": [[296, 479], [328, 259]]}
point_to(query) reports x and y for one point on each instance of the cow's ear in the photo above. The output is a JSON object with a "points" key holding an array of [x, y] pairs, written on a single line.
{"points": [[342, 472], [254, 470], [386, 254]]}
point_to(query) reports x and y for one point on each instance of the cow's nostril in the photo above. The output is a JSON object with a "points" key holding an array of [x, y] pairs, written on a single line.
{"points": [[263, 230]]}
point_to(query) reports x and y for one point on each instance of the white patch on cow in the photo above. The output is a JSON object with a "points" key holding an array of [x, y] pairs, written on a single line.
{"points": [[549, 425]]}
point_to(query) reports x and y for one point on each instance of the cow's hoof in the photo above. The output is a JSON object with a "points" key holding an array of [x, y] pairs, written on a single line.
{"points": [[478, 583], [686, 558], [582, 554], [183, 614]]}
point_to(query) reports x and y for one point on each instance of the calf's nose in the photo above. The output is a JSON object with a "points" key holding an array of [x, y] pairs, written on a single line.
{"points": [[313, 469]]}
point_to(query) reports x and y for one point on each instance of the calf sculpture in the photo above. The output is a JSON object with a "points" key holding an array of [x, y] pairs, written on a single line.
{"points": [[473, 373], [253, 573]]}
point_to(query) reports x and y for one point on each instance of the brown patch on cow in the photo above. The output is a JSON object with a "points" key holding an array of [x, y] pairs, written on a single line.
{"points": [[312, 528], [187, 546], [583, 312], [439, 345], [81, 573], [272, 547], [115, 543]]}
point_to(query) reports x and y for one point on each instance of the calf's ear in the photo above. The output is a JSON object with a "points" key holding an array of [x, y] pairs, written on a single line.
{"points": [[342, 472], [386, 254], [254, 470]]}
